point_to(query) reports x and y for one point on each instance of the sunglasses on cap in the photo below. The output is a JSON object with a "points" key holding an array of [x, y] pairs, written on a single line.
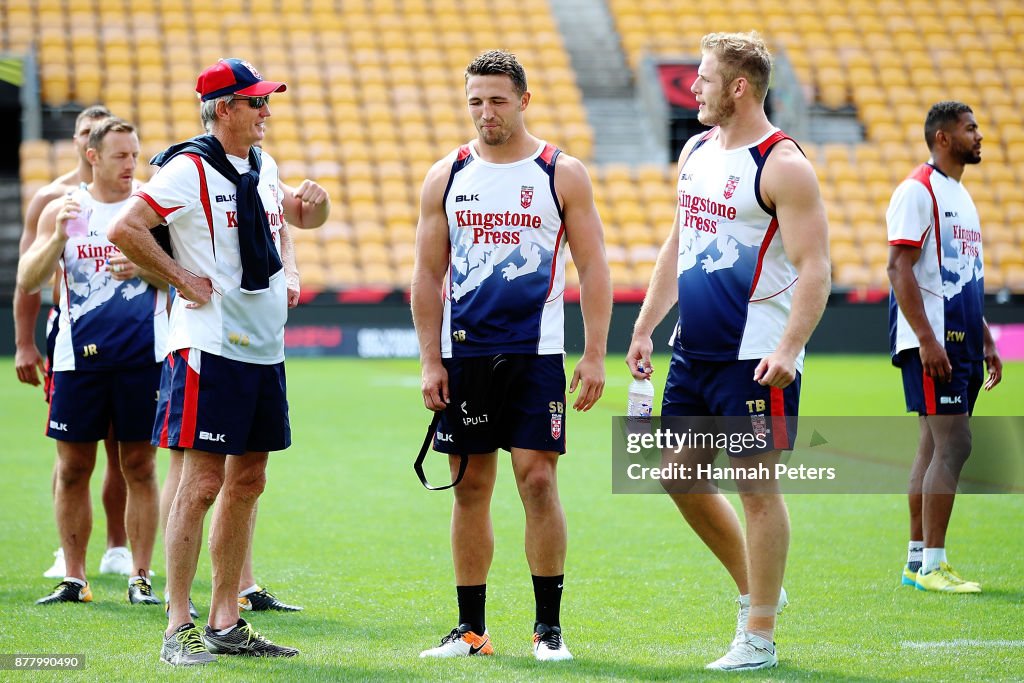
{"points": [[254, 102]]}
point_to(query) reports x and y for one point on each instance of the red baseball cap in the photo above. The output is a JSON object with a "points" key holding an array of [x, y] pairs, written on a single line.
{"points": [[234, 76]]}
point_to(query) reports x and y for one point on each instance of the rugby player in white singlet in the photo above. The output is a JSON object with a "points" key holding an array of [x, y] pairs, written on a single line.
{"points": [[28, 362], [495, 218], [747, 260], [106, 371], [938, 334]]}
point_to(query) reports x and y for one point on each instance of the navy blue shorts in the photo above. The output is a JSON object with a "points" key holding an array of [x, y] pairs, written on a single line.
{"points": [[925, 396], [85, 403], [218, 405], [504, 401], [725, 389]]}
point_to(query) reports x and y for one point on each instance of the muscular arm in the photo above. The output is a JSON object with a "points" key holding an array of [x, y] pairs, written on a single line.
{"points": [[790, 185], [432, 257], [130, 231], [662, 291], [37, 265], [306, 206], [585, 235], [905, 287], [28, 362]]}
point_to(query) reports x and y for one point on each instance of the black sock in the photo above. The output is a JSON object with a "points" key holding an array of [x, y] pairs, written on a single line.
{"points": [[547, 591], [472, 600]]}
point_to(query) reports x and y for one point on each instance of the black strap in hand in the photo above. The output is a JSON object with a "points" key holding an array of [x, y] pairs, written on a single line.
{"points": [[418, 466]]}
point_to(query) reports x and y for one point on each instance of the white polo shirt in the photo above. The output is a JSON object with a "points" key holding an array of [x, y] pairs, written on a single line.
{"points": [[198, 205]]}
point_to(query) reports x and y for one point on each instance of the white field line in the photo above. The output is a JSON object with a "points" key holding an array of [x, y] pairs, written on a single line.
{"points": [[957, 643]]}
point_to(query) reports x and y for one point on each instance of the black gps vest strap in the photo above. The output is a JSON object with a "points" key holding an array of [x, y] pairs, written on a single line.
{"points": [[418, 466]]}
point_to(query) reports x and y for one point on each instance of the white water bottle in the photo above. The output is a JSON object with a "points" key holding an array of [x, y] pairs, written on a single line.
{"points": [[641, 399]]}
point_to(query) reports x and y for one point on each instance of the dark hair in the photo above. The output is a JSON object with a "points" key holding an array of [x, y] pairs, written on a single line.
{"points": [[499, 63], [941, 115], [111, 124], [97, 111]]}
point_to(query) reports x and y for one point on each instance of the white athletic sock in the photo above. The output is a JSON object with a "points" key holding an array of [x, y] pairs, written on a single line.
{"points": [[915, 549], [224, 632], [140, 576], [932, 558], [255, 588], [80, 582]]}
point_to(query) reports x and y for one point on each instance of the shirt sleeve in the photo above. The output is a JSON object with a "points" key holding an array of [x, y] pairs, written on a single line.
{"points": [[176, 188], [910, 214]]}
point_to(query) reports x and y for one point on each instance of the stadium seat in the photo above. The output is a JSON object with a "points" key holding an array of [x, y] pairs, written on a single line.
{"points": [[363, 105]]}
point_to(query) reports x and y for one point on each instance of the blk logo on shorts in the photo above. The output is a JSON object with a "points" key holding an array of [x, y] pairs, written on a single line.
{"points": [[210, 436], [58, 426]]}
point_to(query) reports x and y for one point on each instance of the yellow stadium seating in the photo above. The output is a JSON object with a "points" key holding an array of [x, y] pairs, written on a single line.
{"points": [[376, 95], [887, 64]]}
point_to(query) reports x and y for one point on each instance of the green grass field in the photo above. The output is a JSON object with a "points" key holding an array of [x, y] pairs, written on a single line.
{"points": [[346, 530]]}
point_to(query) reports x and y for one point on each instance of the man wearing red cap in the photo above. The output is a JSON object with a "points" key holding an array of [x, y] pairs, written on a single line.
{"points": [[223, 390]]}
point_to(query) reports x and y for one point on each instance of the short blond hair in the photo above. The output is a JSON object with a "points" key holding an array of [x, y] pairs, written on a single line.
{"points": [[741, 54]]}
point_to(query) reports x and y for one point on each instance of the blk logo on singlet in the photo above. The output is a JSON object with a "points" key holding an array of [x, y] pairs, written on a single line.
{"points": [[526, 196], [467, 198]]}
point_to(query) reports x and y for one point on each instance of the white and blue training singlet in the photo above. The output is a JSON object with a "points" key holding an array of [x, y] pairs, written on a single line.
{"points": [[506, 277], [105, 323], [735, 281], [931, 211]]}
